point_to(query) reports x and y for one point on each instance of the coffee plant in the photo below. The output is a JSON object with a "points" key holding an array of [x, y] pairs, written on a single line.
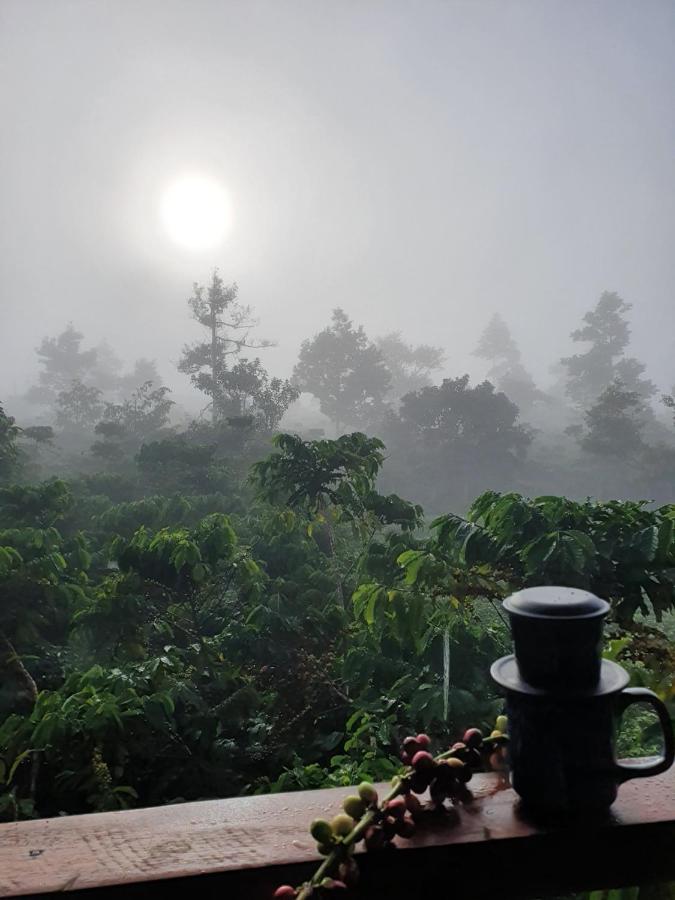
{"points": [[175, 629]]}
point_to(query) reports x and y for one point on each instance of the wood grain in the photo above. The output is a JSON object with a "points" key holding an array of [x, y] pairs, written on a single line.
{"points": [[246, 844]]}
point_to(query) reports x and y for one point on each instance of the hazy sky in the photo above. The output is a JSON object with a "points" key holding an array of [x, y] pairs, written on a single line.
{"points": [[421, 164]]}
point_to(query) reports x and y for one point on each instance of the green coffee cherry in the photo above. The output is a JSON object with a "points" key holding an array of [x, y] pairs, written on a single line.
{"points": [[342, 824], [354, 806], [367, 793], [321, 831]]}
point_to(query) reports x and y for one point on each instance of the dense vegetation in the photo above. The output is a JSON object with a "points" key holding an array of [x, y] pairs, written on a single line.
{"points": [[197, 611]]}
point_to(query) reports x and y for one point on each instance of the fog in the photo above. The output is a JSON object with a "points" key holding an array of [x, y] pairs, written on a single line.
{"points": [[422, 165]]}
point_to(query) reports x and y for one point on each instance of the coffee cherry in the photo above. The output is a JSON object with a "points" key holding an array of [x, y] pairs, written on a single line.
{"points": [[502, 724], [495, 734], [285, 890], [414, 806], [375, 839], [342, 824], [321, 831], [460, 750], [354, 806], [419, 781], [464, 775], [453, 763], [396, 806], [325, 849], [348, 871], [474, 758], [473, 737], [423, 761], [367, 793], [443, 773], [405, 827], [423, 741], [496, 760], [410, 745], [389, 827], [330, 884]]}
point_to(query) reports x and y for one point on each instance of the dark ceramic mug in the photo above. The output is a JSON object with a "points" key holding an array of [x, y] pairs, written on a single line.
{"points": [[561, 749]]}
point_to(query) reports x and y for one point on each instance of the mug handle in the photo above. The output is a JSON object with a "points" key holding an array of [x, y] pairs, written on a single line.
{"points": [[644, 770]]}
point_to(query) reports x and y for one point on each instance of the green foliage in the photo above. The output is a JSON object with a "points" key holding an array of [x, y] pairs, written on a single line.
{"points": [[176, 463], [313, 473], [622, 551], [154, 648]]}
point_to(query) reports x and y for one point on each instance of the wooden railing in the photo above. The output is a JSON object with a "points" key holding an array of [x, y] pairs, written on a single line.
{"points": [[245, 847]]}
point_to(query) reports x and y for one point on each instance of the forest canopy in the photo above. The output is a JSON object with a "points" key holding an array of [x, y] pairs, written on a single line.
{"points": [[219, 605]]}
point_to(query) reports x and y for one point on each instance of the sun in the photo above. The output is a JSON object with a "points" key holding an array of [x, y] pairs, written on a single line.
{"points": [[196, 212]]}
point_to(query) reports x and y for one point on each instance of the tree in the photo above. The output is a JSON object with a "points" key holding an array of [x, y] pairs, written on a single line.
{"points": [[9, 452], [144, 370], [229, 327], [614, 424], [106, 373], [668, 401], [125, 426], [497, 346], [175, 464], [345, 371], [78, 407], [143, 414], [63, 362], [453, 414], [37, 584], [39, 434], [452, 439], [332, 482], [608, 332], [622, 551], [253, 393], [315, 474], [409, 367]]}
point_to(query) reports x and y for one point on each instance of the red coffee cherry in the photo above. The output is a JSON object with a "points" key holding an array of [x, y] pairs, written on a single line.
{"points": [[473, 737], [422, 761]]}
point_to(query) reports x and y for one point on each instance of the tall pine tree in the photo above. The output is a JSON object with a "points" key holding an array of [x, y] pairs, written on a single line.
{"points": [[590, 373]]}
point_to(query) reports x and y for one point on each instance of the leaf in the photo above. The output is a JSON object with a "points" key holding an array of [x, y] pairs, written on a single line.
{"points": [[665, 541], [412, 561], [536, 554], [199, 573], [15, 765], [369, 611]]}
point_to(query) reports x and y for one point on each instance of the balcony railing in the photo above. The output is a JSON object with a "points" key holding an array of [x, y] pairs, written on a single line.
{"points": [[245, 847]]}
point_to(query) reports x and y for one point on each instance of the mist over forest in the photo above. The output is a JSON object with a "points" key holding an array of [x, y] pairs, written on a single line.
{"points": [[324, 327], [599, 428]]}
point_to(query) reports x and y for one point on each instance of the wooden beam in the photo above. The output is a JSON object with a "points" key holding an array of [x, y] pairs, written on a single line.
{"points": [[247, 846]]}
